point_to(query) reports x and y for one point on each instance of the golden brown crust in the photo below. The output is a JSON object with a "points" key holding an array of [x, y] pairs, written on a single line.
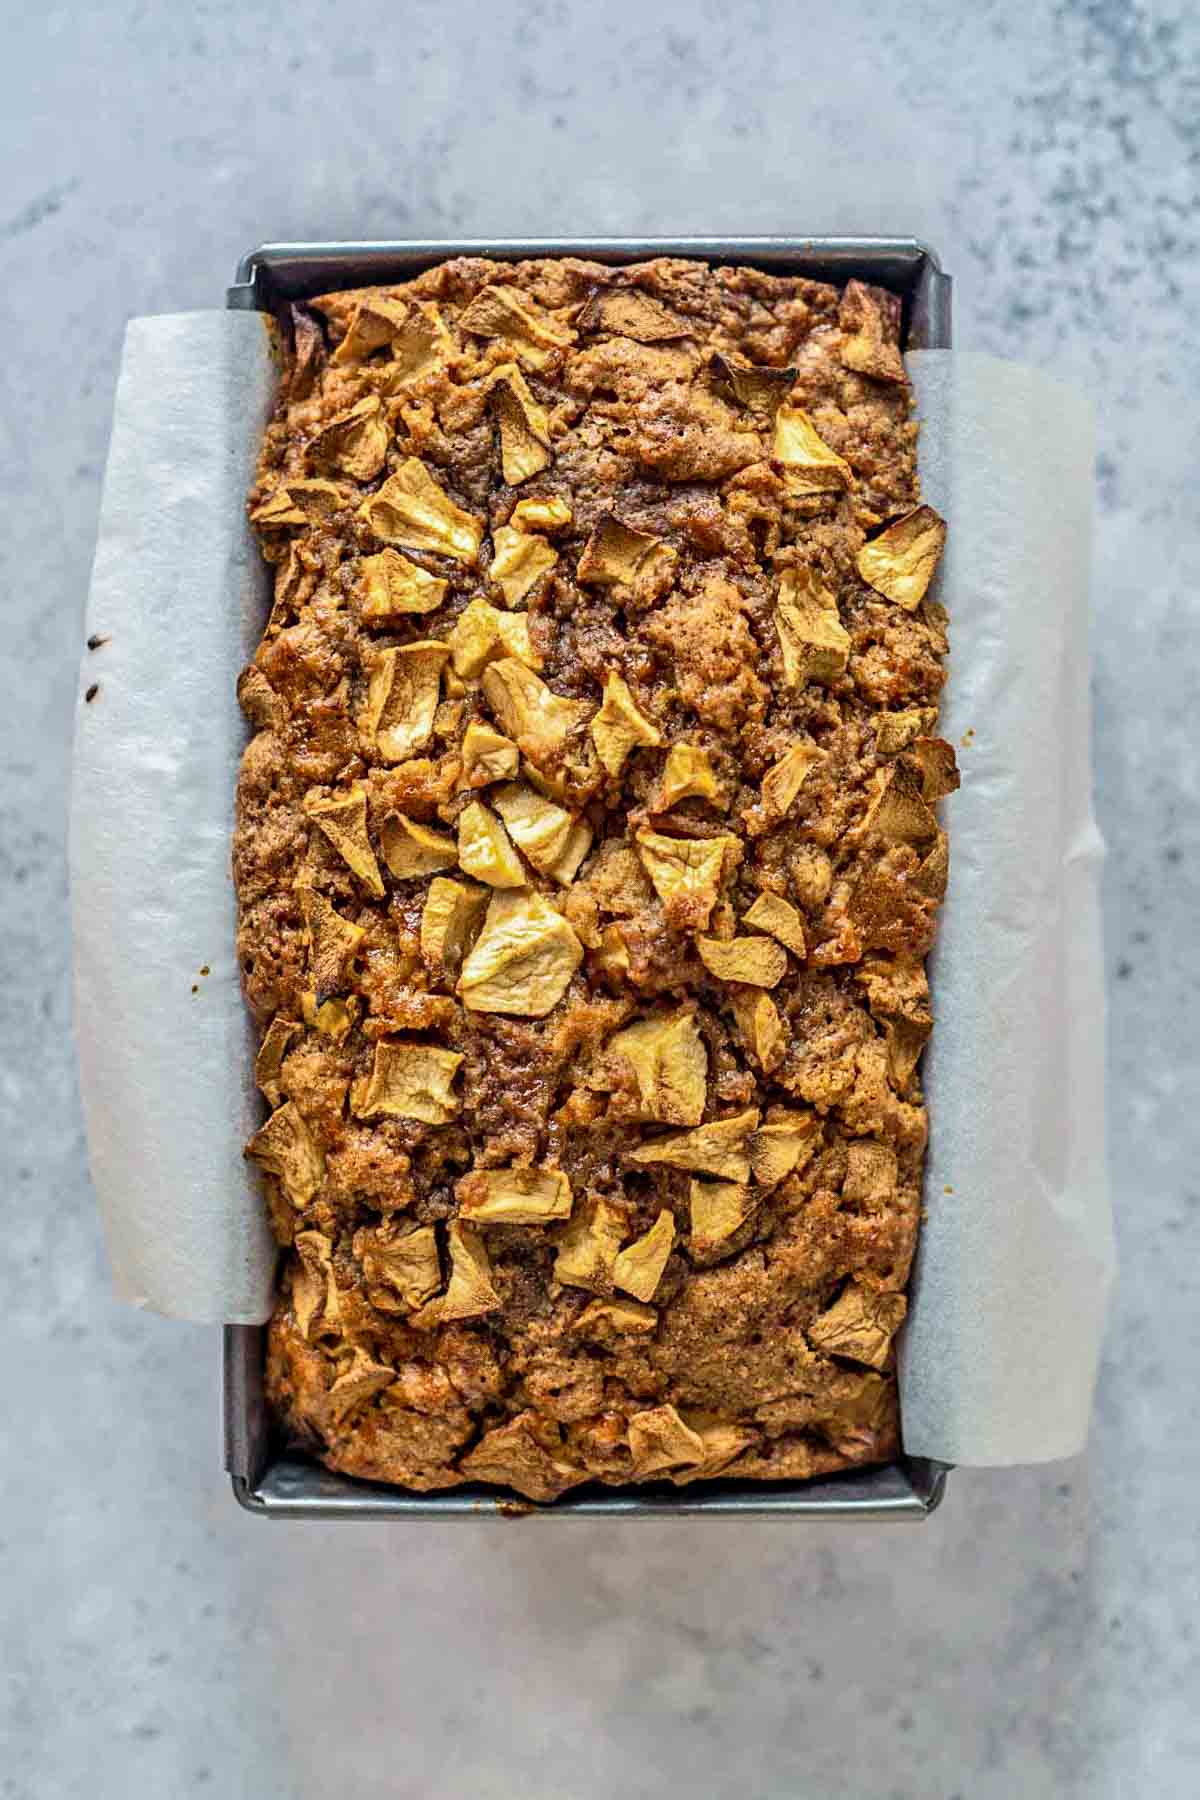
{"points": [[586, 867]]}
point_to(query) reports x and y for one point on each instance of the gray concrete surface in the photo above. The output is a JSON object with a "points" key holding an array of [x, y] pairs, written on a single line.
{"points": [[1039, 1637]]}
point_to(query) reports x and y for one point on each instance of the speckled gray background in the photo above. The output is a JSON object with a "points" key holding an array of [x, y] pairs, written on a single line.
{"points": [[1039, 1636]]}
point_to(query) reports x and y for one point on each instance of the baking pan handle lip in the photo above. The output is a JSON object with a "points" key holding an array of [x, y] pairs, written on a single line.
{"points": [[248, 267], [927, 251], [937, 1492], [929, 1478], [291, 1488], [877, 243], [247, 1498], [253, 282]]}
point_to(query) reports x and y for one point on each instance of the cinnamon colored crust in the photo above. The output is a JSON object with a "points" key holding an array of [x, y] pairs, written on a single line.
{"points": [[585, 929]]}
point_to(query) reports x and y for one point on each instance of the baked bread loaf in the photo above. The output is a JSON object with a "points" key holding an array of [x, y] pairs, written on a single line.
{"points": [[587, 862]]}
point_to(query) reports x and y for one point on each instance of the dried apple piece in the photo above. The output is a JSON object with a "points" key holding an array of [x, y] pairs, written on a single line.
{"points": [[538, 720], [718, 1209], [407, 1266], [362, 1379], [905, 1040], [638, 1268], [617, 556], [686, 873], [485, 850], [669, 1064], [895, 731], [872, 1171], [279, 508], [538, 827], [859, 1325], [535, 336], [579, 842], [524, 425], [411, 509], [308, 352], [773, 914], [410, 849], [391, 586], [723, 1444], [343, 819], [451, 920], [934, 873], [784, 779], [759, 388], [809, 465], [900, 562], [589, 1245], [300, 503], [898, 995], [448, 717], [309, 500], [687, 774], [447, 720], [261, 705], [761, 1028], [334, 1019], [515, 1196], [296, 580], [717, 1149], [814, 643], [938, 766], [482, 633], [898, 813], [420, 345], [415, 334], [659, 1439], [375, 322], [285, 1147], [333, 940], [402, 698], [408, 1081], [755, 961], [511, 1454], [487, 756], [314, 1290], [619, 728], [523, 960], [782, 1146], [870, 322], [612, 957], [629, 312], [356, 444], [519, 563], [268, 1064], [549, 514], [604, 1319], [469, 1292]]}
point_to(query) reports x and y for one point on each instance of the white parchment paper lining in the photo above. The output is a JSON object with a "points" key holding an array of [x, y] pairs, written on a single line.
{"points": [[999, 1356]]}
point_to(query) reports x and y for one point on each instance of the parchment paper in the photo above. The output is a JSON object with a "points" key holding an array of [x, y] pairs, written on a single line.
{"points": [[999, 1357], [998, 1360], [178, 590]]}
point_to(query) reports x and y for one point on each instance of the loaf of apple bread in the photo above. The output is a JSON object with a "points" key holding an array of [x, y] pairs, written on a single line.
{"points": [[587, 862]]}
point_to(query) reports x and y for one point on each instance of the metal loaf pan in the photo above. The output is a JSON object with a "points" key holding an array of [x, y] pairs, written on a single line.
{"points": [[278, 1485]]}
